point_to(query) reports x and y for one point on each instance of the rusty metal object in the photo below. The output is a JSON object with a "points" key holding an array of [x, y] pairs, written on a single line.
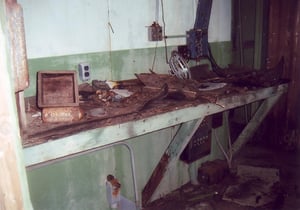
{"points": [[62, 114], [18, 45], [212, 172]]}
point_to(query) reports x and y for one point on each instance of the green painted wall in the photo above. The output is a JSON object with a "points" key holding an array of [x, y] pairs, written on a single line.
{"points": [[114, 65], [79, 183], [117, 65]]}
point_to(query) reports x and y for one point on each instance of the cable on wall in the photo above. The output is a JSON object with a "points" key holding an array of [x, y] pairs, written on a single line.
{"points": [[157, 11], [154, 58], [110, 30], [156, 43], [164, 30]]}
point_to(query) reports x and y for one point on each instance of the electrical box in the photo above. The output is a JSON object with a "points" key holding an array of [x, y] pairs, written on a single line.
{"points": [[84, 71], [155, 32], [197, 43], [200, 144]]}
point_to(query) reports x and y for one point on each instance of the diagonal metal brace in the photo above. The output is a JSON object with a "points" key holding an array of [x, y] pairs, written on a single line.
{"points": [[172, 153], [253, 124]]}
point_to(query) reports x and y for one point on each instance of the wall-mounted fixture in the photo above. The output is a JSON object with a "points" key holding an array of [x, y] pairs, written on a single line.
{"points": [[155, 32], [200, 144], [84, 71], [197, 38]]}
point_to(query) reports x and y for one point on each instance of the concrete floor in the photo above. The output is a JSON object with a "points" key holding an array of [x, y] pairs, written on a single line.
{"points": [[204, 197]]}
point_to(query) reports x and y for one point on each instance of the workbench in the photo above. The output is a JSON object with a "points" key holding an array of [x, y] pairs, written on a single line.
{"points": [[100, 133], [46, 143]]}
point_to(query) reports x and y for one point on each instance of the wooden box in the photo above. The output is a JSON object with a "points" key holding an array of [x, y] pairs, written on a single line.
{"points": [[57, 88]]}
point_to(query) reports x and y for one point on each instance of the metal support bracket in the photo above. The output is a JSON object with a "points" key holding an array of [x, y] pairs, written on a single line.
{"points": [[172, 153], [253, 124]]}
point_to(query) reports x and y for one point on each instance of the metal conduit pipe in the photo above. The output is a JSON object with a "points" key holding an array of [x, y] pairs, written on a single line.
{"points": [[137, 202], [174, 36]]}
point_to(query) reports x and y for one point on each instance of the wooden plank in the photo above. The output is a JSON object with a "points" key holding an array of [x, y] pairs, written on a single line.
{"points": [[14, 193], [20, 102], [18, 43]]}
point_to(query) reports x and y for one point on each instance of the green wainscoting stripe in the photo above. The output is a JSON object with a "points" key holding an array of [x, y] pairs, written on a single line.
{"points": [[117, 65]]}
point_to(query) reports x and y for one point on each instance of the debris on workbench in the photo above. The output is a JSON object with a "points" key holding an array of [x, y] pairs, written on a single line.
{"points": [[95, 112], [253, 78], [106, 101], [152, 86], [105, 95], [104, 85], [189, 88], [62, 114], [239, 75], [106, 90], [86, 91], [117, 98], [113, 95], [122, 92], [142, 99], [119, 102], [256, 186], [207, 86], [262, 78]]}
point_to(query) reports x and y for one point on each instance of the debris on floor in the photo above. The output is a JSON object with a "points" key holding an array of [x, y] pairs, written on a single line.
{"points": [[188, 197], [201, 206], [212, 172], [256, 186], [275, 178]]}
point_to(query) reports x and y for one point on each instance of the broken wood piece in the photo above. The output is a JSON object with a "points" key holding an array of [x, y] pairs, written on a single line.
{"points": [[189, 88], [187, 94]]}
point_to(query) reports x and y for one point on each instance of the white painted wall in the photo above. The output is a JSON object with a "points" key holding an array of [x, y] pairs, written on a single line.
{"points": [[220, 21], [64, 27]]}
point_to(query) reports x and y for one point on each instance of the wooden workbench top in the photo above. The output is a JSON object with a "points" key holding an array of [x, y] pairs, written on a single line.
{"points": [[130, 118]]}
